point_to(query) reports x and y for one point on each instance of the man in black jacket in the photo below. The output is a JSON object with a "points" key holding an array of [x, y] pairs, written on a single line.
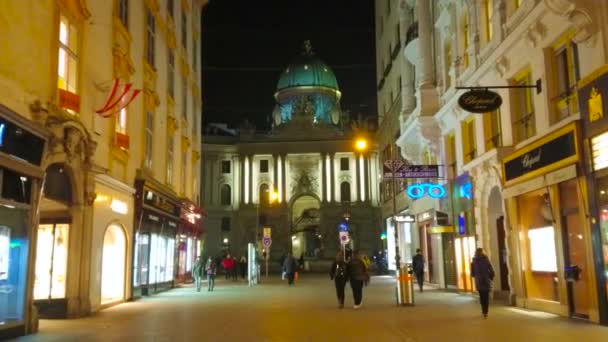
{"points": [[418, 267]]}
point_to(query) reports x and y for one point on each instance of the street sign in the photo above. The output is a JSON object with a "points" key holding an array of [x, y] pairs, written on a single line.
{"points": [[266, 241], [267, 232], [343, 238]]}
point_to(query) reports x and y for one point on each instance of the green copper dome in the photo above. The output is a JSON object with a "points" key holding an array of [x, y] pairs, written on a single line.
{"points": [[307, 71]]}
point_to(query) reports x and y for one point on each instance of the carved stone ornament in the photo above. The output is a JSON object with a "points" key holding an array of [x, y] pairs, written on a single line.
{"points": [[581, 14]]}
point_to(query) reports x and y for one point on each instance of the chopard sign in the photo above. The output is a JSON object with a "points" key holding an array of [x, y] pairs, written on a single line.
{"points": [[542, 156], [530, 159], [480, 101]]}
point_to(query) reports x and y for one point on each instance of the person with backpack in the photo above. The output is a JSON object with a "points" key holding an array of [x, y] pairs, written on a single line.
{"points": [[339, 274], [211, 268], [357, 273], [482, 271]]}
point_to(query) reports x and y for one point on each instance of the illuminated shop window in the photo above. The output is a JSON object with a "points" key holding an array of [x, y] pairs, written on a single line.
{"points": [[121, 121], [51, 261], [543, 257], [13, 263], [113, 268], [68, 56]]}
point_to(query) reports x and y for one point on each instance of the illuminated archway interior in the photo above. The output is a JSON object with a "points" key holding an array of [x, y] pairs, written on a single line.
{"points": [[113, 265]]}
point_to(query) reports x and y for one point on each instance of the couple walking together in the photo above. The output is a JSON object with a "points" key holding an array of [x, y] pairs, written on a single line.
{"points": [[209, 267], [353, 270]]}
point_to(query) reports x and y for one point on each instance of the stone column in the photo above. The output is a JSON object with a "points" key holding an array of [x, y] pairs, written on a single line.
{"points": [[366, 165], [358, 176], [425, 41], [332, 178], [242, 179], [284, 177], [324, 178], [251, 196], [275, 174]]}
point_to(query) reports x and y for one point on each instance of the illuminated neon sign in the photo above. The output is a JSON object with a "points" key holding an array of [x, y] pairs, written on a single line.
{"points": [[416, 191], [466, 190], [2, 134]]}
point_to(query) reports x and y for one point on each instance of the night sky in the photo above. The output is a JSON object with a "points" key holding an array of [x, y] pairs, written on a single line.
{"points": [[247, 44]]}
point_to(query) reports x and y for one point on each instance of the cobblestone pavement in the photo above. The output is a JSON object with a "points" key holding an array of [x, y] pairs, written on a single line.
{"points": [[272, 311]]}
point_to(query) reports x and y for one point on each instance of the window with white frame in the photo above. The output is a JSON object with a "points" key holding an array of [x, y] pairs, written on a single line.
{"points": [[170, 148], [121, 121], [149, 140], [171, 73], [150, 37], [123, 12]]}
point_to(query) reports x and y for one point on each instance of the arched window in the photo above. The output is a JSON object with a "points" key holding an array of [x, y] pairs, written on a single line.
{"points": [[264, 194], [345, 192], [225, 194]]}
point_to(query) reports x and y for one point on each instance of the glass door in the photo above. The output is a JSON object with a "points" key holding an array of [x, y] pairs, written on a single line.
{"points": [[574, 249], [51, 261]]}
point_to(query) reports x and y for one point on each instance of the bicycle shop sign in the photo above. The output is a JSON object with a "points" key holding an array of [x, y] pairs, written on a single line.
{"points": [[480, 101]]}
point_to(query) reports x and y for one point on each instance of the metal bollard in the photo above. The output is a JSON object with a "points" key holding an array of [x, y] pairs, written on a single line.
{"points": [[407, 285]]}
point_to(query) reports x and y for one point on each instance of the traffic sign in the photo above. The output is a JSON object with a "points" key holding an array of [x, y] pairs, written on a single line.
{"points": [[344, 238], [266, 242], [267, 232], [343, 226]]}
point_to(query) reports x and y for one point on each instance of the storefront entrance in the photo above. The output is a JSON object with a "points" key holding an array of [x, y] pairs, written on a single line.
{"points": [[574, 250], [113, 265], [464, 248]]}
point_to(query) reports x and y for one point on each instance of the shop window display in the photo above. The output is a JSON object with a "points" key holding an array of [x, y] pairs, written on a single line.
{"points": [[537, 237], [113, 265], [161, 259], [13, 264], [603, 199], [51, 261], [141, 260]]}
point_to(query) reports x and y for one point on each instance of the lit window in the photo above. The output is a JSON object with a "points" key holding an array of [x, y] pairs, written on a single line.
{"points": [[170, 147], [121, 121], [51, 261], [68, 56], [451, 154], [171, 74], [150, 37], [468, 140], [488, 13], [491, 130], [149, 140], [523, 110]]}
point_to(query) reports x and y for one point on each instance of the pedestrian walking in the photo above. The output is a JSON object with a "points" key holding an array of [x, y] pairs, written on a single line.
{"points": [[211, 269], [235, 266], [482, 271], [243, 266], [197, 272], [339, 274], [357, 273], [226, 265], [290, 267], [418, 268]]}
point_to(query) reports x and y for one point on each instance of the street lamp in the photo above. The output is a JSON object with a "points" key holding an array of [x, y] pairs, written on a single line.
{"points": [[361, 144]]}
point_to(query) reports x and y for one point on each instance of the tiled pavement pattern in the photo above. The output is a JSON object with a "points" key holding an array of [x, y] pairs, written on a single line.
{"points": [[272, 311]]}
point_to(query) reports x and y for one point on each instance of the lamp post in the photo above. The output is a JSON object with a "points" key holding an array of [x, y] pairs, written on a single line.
{"points": [[272, 197]]}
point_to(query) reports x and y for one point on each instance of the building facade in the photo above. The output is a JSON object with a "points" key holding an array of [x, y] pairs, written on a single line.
{"points": [[516, 179], [301, 179], [88, 87]]}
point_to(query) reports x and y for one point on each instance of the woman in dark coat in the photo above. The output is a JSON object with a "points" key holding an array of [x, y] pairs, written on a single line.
{"points": [[339, 274], [482, 271], [357, 273]]}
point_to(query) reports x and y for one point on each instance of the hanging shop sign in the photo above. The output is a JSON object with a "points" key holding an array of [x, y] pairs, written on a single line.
{"points": [[480, 101], [420, 171], [433, 190], [549, 153]]}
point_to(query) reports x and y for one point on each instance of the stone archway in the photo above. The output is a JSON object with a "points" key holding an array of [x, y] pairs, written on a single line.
{"points": [[305, 222]]}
